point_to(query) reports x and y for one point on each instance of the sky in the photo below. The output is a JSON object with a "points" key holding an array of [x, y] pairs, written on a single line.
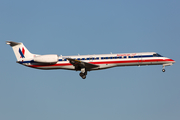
{"points": [[71, 27]]}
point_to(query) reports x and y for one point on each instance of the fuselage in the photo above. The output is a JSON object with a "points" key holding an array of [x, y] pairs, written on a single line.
{"points": [[85, 63], [105, 61]]}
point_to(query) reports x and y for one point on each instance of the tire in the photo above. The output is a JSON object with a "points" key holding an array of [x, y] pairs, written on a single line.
{"points": [[81, 74], [84, 77]]}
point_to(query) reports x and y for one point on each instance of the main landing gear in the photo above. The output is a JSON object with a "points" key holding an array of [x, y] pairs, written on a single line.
{"points": [[83, 73]]}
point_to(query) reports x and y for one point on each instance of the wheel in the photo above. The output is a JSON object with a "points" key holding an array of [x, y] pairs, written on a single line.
{"points": [[163, 70], [84, 77], [81, 74]]}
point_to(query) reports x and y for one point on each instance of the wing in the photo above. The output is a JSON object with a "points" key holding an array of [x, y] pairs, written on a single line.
{"points": [[81, 64]]}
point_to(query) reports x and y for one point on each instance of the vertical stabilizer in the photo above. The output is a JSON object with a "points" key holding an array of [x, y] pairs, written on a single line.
{"points": [[20, 51]]}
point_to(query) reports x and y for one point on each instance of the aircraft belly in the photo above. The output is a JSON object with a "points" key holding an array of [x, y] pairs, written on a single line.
{"points": [[57, 67], [105, 66], [52, 66]]}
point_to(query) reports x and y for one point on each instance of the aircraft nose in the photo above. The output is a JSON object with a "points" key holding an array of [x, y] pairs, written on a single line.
{"points": [[173, 61]]}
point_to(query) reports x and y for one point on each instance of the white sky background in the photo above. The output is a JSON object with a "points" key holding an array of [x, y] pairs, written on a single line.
{"points": [[90, 27]]}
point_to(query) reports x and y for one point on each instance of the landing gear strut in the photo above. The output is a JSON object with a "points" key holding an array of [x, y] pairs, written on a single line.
{"points": [[83, 73], [163, 70]]}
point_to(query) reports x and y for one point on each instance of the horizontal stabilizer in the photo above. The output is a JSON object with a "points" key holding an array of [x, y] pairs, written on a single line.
{"points": [[12, 43]]}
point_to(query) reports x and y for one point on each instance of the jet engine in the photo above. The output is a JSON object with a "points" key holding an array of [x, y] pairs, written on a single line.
{"points": [[50, 59]]}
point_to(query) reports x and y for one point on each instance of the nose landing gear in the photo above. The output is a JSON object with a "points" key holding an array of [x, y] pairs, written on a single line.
{"points": [[168, 64]]}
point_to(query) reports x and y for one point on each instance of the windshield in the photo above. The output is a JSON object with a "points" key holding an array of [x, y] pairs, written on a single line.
{"points": [[157, 55]]}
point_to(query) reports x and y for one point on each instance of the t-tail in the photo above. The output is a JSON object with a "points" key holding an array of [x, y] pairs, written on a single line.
{"points": [[20, 51]]}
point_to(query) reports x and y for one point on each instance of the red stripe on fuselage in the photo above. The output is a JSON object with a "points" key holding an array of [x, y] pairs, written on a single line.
{"points": [[133, 61], [61, 64], [108, 62]]}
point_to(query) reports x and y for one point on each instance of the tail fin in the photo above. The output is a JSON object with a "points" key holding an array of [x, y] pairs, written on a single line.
{"points": [[20, 51]]}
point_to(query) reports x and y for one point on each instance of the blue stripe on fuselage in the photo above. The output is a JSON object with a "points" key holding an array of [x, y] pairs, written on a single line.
{"points": [[143, 56]]}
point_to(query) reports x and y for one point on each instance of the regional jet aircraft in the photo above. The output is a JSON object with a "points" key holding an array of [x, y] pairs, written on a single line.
{"points": [[85, 63]]}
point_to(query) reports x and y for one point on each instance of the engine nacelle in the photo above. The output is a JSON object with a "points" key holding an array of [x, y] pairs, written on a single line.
{"points": [[51, 59]]}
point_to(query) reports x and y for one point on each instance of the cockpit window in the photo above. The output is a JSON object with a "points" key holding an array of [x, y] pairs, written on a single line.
{"points": [[157, 55]]}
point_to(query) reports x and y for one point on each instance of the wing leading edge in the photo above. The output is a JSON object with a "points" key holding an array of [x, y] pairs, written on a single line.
{"points": [[81, 64]]}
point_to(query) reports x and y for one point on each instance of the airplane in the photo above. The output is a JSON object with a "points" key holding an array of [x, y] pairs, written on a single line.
{"points": [[85, 63]]}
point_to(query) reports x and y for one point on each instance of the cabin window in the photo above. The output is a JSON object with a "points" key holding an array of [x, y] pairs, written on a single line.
{"points": [[97, 58]]}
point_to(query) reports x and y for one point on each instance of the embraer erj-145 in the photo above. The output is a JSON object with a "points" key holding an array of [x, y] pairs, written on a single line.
{"points": [[85, 63]]}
